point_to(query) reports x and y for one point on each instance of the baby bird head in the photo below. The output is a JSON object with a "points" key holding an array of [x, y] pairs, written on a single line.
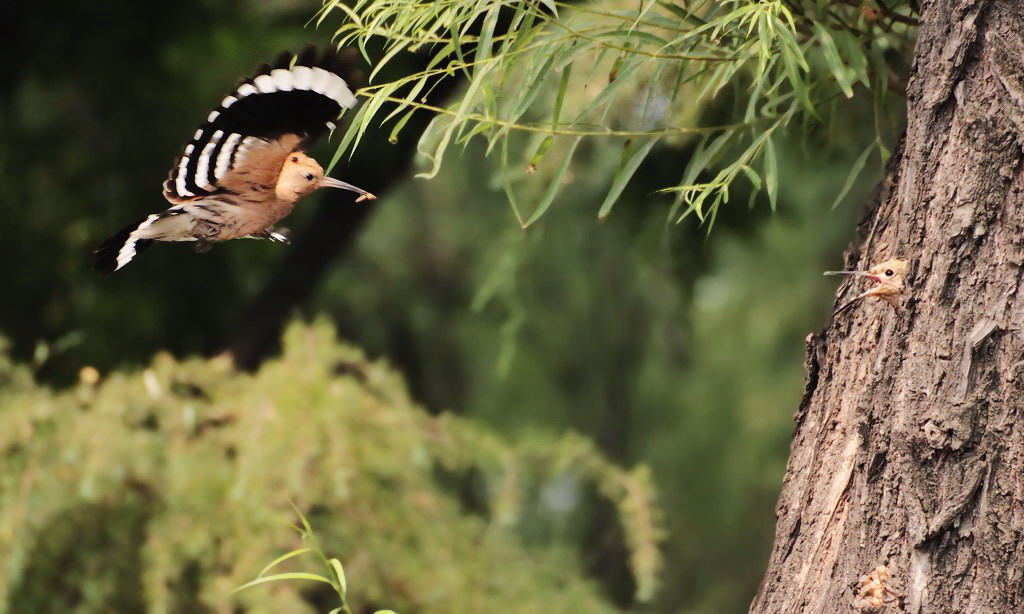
{"points": [[302, 175], [889, 272]]}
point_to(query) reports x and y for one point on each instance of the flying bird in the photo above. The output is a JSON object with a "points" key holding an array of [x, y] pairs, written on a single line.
{"points": [[244, 168], [888, 277]]}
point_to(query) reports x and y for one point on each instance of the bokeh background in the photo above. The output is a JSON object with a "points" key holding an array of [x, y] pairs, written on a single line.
{"points": [[664, 345]]}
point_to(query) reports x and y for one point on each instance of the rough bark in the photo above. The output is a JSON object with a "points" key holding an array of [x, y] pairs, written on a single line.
{"points": [[909, 443]]}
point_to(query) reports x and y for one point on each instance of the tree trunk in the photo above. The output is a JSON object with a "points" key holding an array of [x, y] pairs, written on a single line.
{"points": [[909, 442]]}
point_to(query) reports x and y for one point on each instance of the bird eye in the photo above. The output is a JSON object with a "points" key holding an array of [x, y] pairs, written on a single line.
{"points": [[889, 273], [309, 177]]}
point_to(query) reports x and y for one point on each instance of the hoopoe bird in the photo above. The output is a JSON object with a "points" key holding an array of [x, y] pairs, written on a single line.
{"points": [[244, 169], [888, 277]]}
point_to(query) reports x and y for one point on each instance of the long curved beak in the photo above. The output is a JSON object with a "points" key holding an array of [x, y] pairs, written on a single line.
{"points": [[860, 273], [330, 182]]}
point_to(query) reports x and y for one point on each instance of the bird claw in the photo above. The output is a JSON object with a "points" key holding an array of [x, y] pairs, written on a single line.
{"points": [[279, 235], [203, 246]]}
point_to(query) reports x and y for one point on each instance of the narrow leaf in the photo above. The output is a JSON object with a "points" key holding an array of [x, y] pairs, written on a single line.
{"points": [[563, 85], [755, 179], [542, 150], [556, 183], [506, 182], [771, 172], [393, 138], [302, 517], [627, 167], [483, 47], [281, 559], [285, 576], [350, 134], [340, 572], [835, 63], [852, 48], [855, 170]]}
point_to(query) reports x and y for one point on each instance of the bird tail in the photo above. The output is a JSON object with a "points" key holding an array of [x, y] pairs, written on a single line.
{"points": [[119, 249]]}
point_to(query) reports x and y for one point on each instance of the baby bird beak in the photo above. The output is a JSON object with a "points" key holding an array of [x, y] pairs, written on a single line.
{"points": [[861, 273], [330, 182]]}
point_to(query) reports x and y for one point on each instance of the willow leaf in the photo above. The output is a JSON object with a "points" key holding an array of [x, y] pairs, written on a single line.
{"points": [[855, 170], [285, 576], [835, 63], [771, 172], [630, 162], [555, 186]]}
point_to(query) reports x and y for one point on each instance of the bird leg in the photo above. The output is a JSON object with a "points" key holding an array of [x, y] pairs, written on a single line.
{"points": [[277, 235], [203, 246]]}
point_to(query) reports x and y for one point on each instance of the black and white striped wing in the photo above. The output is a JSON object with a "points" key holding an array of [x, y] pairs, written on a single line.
{"points": [[298, 95]]}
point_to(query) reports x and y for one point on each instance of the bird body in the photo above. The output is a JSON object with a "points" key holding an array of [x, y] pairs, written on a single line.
{"points": [[244, 169], [889, 277]]}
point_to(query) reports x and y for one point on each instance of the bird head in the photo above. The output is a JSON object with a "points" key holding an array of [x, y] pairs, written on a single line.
{"points": [[889, 272], [302, 175]]}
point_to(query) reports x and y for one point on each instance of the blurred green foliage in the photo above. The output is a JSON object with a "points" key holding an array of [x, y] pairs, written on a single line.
{"points": [[164, 490], [665, 346]]}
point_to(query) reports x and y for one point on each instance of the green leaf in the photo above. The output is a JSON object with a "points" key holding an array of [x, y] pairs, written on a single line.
{"points": [[532, 90], [771, 172], [556, 184], [506, 183], [542, 151], [625, 70], [436, 124], [755, 179], [302, 517], [282, 559], [855, 170], [704, 156], [631, 159], [350, 135], [285, 576], [393, 138], [852, 49], [484, 45], [795, 65], [835, 63], [395, 50], [563, 85], [340, 572]]}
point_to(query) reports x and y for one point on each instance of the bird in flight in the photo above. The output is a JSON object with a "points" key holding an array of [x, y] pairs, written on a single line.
{"points": [[244, 168], [888, 277]]}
